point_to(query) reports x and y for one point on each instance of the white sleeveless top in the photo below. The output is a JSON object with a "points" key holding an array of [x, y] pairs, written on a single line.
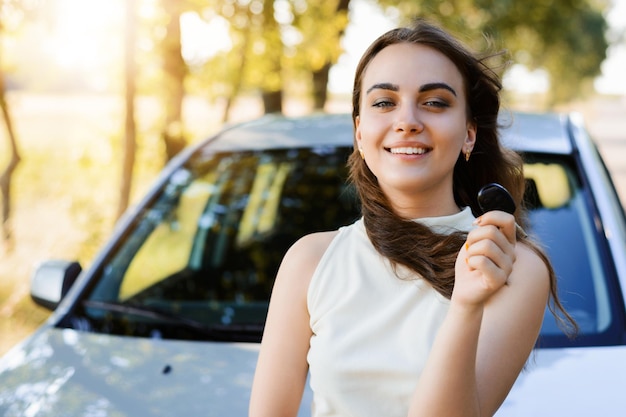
{"points": [[372, 331]]}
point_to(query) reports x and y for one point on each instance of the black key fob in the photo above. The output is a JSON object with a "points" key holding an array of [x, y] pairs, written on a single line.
{"points": [[495, 197]]}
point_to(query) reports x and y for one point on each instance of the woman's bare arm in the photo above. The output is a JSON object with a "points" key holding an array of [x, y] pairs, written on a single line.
{"points": [[282, 367], [494, 318]]}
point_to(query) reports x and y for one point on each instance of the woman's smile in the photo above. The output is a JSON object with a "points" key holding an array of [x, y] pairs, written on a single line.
{"points": [[412, 125]]}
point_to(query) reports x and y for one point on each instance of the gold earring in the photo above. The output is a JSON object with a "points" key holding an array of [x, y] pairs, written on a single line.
{"points": [[468, 152], [362, 153]]}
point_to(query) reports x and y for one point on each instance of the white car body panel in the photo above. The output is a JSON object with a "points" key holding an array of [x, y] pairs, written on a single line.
{"points": [[572, 382], [62, 372]]}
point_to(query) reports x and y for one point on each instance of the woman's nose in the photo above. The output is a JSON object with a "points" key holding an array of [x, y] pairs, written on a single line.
{"points": [[408, 122]]}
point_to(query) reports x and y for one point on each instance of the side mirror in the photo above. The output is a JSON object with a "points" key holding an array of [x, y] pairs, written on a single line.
{"points": [[52, 280]]}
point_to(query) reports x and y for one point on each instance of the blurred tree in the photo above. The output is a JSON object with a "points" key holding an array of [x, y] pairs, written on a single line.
{"points": [[6, 177], [221, 67], [321, 25], [257, 37], [276, 44], [268, 51], [130, 131], [565, 37], [224, 74], [174, 73], [280, 44]]}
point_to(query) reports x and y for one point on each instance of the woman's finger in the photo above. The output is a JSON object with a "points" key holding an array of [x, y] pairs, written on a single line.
{"points": [[503, 221]]}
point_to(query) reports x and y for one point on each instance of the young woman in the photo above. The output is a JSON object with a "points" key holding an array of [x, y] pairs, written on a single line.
{"points": [[419, 308]]}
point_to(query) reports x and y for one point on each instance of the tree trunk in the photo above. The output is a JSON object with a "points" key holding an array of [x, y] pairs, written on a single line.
{"points": [[7, 174], [320, 87], [238, 82], [320, 77], [130, 142], [175, 71], [273, 101], [272, 94]]}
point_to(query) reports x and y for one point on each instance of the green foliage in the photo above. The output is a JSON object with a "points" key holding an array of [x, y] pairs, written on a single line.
{"points": [[565, 37], [277, 42], [320, 27], [274, 42]]}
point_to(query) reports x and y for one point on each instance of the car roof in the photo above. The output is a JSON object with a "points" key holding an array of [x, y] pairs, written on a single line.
{"points": [[525, 132], [536, 132]]}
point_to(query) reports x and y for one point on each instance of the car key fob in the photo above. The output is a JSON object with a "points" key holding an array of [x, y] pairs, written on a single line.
{"points": [[495, 197]]}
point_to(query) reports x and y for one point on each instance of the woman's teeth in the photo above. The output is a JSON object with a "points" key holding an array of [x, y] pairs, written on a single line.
{"points": [[408, 151]]}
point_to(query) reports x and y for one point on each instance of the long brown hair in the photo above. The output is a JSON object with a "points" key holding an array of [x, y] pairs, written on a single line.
{"points": [[410, 243]]}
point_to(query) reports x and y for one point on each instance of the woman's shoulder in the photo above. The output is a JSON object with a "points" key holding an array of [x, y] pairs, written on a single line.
{"points": [[311, 247], [303, 257], [530, 278], [297, 268]]}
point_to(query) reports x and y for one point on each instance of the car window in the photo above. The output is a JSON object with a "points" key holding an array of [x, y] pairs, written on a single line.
{"points": [[562, 220], [167, 248], [209, 248]]}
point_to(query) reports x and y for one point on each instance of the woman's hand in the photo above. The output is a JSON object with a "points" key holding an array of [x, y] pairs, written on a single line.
{"points": [[497, 308], [486, 260]]}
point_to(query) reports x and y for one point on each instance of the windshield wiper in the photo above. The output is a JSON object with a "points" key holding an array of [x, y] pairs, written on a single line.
{"points": [[221, 332]]}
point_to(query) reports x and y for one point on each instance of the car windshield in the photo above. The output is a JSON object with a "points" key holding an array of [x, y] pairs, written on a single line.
{"points": [[208, 249], [200, 260]]}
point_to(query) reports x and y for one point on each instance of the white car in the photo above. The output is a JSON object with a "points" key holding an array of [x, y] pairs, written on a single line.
{"points": [[167, 319]]}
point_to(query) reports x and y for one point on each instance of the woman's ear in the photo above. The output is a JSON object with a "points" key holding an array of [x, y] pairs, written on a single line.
{"points": [[357, 131], [470, 138]]}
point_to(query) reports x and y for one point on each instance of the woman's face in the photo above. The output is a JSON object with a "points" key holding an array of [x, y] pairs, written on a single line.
{"points": [[412, 126]]}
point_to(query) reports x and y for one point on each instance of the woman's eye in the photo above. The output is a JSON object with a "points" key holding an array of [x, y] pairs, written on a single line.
{"points": [[382, 103], [436, 103]]}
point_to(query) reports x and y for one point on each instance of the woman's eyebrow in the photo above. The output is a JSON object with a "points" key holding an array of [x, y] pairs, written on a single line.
{"points": [[423, 88], [383, 86], [436, 86]]}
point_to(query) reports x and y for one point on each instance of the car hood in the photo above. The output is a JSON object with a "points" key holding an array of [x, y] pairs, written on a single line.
{"points": [[72, 373], [66, 372], [574, 382]]}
